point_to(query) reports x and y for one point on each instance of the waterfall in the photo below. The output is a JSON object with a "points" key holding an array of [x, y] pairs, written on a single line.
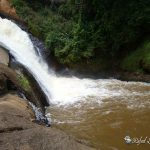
{"points": [[20, 46], [58, 90]]}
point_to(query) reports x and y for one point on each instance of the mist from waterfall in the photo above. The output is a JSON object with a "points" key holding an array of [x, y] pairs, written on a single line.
{"points": [[58, 90]]}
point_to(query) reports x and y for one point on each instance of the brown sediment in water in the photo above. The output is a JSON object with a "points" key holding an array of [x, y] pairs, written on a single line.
{"points": [[105, 125]]}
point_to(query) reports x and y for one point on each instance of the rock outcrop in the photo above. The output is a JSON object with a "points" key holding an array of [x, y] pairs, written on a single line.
{"points": [[18, 127], [18, 132], [9, 80], [6, 8], [3, 85], [9, 74], [4, 57]]}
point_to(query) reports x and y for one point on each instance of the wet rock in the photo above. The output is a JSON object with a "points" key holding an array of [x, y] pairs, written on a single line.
{"points": [[4, 57], [3, 85], [9, 74], [129, 76], [36, 95], [18, 132], [9, 80]]}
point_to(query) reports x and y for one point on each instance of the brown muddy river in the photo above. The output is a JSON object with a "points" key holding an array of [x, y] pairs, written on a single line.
{"points": [[105, 119], [98, 112]]}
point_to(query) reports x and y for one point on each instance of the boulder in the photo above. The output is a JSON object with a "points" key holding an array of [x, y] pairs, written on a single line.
{"points": [[9, 74], [3, 84], [18, 132], [6, 8], [4, 56], [9, 80]]}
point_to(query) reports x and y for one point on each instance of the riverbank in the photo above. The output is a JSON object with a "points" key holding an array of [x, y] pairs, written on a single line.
{"points": [[18, 127], [129, 76], [18, 130]]}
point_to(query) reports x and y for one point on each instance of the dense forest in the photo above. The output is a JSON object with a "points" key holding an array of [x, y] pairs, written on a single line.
{"points": [[95, 35]]}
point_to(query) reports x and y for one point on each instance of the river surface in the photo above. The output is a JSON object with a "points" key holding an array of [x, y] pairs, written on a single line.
{"points": [[99, 113], [120, 109]]}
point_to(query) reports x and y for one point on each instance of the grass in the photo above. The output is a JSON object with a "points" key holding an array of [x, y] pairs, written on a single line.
{"points": [[24, 83]]}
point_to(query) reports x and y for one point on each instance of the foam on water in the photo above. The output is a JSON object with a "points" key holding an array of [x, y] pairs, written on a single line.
{"points": [[58, 90]]}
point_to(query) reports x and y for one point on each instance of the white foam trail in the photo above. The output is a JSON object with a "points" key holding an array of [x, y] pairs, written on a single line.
{"points": [[58, 90]]}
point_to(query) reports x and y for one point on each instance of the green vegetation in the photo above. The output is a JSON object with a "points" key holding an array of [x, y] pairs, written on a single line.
{"points": [[24, 83], [80, 32], [139, 60]]}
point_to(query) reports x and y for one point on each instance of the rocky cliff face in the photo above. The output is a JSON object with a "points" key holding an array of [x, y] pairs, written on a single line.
{"points": [[6, 8]]}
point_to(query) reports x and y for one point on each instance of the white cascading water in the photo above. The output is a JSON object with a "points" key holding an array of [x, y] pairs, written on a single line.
{"points": [[21, 47], [58, 90]]}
